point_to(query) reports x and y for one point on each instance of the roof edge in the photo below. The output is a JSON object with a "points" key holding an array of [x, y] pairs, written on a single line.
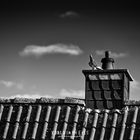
{"points": [[126, 71], [132, 103], [67, 100]]}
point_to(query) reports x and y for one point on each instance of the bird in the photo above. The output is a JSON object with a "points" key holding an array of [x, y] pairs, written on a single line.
{"points": [[93, 64]]}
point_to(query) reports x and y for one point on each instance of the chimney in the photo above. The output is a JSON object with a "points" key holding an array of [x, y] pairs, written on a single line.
{"points": [[107, 88]]}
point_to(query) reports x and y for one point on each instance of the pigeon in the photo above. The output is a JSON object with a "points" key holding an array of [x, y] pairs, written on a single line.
{"points": [[93, 64]]}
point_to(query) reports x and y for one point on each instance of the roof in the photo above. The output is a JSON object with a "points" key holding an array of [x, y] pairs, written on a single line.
{"points": [[41, 119]]}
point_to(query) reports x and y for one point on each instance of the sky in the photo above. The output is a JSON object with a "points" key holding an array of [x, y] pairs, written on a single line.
{"points": [[45, 46]]}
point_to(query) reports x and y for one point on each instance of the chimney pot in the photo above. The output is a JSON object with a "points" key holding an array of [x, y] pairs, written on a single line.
{"points": [[107, 62], [107, 54]]}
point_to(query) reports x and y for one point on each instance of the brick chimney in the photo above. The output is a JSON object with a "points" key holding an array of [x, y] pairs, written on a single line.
{"points": [[107, 88]]}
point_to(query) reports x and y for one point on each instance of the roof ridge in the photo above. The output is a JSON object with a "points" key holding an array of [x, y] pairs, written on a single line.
{"points": [[67, 100]]}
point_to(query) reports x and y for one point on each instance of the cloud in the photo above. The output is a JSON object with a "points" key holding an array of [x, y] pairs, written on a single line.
{"points": [[33, 96], [69, 14], [10, 84], [72, 93], [134, 90], [135, 85], [113, 54], [37, 51]]}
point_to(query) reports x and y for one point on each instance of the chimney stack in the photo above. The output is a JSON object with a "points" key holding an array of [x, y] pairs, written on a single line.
{"points": [[107, 88]]}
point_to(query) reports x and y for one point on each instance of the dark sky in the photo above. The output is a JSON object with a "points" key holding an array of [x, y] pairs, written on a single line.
{"points": [[45, 46]]}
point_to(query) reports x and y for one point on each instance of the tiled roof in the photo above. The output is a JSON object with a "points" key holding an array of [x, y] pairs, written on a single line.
{"points": [[65, 119]]}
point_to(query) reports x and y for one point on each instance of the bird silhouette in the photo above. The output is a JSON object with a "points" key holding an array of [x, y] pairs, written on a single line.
{"points": [[93, 64]]}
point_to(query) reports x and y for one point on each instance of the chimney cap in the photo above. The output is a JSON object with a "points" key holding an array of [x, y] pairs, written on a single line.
{"points": [[110, 71]]}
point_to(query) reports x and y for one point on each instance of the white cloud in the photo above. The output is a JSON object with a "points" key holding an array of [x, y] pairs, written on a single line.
{"points": [[135, 90], [7, 83], [37, 51], [112, 54], [72, 93], [33, 96], [70, 14], [10, 84], [135, 85]]}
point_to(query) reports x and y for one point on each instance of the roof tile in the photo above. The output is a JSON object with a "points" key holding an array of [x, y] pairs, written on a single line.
{"points": [[94, 124], [100, 104], [109, 104], [116, 84], [26, 125], [97, 95], [117, 94], [65, 123], [46, 121], [1, 111], [17, 122], [107, 94], [104, 124], [133, 125], [75, 123], [105, 84], [36, 122], [114, 123], [95, 85], [84, 125], [55, 123]]}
